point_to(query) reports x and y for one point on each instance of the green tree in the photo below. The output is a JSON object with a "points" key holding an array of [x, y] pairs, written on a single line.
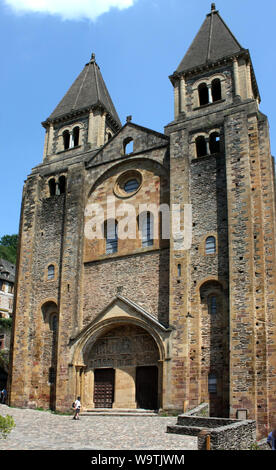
{"points": [[6, 425], [8, 248]]}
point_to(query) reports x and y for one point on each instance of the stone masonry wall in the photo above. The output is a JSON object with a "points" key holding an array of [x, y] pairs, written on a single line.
{"points": [[142, 278], [209, 276], [53, 233]]}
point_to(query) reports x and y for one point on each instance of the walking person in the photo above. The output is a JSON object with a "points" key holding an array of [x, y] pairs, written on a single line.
{"points": [[271, 439], [77, 407], [3, 396]]}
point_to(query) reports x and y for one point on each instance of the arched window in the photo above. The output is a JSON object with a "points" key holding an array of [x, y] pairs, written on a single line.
{"points": [[66, 140], [201, 146], [128, 145], [54, 324], [52, 186], [111, 236], [146, 228], [203, 94], [76, 136], [51, 272], [62, 184], [109, 136], [210, 245], [212, 304], [216, 89], [212, 383], [214, 143]]}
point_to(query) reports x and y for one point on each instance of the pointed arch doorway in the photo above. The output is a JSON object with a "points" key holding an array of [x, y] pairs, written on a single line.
{"points": [[123, 369]]}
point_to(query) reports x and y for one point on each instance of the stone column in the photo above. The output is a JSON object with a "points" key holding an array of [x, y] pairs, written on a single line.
{"points": [[78, 381], [96, 128], [182, 95], [249, 81], [71, 141], [176, 100], [45, 150], [48, 145], [90, 127], [236, 77], [101, 131], [210, 93]]}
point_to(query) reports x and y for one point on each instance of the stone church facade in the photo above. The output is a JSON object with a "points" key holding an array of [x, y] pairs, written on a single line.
{"points": [[140, 322]]}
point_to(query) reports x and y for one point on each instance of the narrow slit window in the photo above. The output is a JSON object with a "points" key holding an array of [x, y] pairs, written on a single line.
{"points": [[54, 324], [212, 305], [51, 272], [52, 375], [212, 383], [210, 245]]}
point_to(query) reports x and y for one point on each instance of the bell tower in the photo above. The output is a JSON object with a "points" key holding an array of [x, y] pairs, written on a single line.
{"points": [[51, 240], [200, 79], [84, 119], [221, 165]]}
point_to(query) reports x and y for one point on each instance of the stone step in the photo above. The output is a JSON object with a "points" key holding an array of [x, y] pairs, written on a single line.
{"points": [[118, 412]]}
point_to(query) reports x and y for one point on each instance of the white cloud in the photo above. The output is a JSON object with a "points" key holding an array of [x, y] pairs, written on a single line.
{"points": [[69, 9]]}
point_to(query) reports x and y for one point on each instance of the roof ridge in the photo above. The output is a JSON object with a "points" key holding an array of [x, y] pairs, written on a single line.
{"points": [[213, 41], [81, 86], [229, 30], [96, 79], [87, 91], [210, 36]]}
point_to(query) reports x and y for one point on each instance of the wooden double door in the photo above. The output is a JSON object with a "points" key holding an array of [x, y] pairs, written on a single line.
{"points": [[146, 387], [104, 380]]}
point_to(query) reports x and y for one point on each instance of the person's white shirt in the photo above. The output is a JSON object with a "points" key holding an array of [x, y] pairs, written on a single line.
{"points": [[77, 404]]}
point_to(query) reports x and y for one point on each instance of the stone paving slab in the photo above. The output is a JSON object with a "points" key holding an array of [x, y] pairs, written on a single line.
{"points": [[42, 430]]}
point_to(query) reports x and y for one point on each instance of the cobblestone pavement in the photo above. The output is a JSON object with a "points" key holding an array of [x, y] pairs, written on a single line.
{"points": [[42, 430]]}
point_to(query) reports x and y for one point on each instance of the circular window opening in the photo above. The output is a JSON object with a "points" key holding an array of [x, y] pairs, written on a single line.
{"points": [[131, 185], [128, 184]]}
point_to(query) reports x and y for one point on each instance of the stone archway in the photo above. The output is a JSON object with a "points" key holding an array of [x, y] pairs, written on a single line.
{"points": [[117, 364]]}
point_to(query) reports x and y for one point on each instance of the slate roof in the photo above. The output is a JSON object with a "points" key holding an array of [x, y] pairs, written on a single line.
{"points": [[7, 267], [88, 90], [214, 41]]}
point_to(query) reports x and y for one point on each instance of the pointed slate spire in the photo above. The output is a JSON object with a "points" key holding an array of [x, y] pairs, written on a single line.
{"points": [[214, 41], [87, 91]]}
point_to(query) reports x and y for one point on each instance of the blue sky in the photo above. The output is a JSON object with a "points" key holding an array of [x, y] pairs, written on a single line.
{"points": [[137, 47]]}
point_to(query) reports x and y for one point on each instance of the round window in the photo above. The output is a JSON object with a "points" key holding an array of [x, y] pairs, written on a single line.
{"points": [[131, 185], [128, 184]]}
